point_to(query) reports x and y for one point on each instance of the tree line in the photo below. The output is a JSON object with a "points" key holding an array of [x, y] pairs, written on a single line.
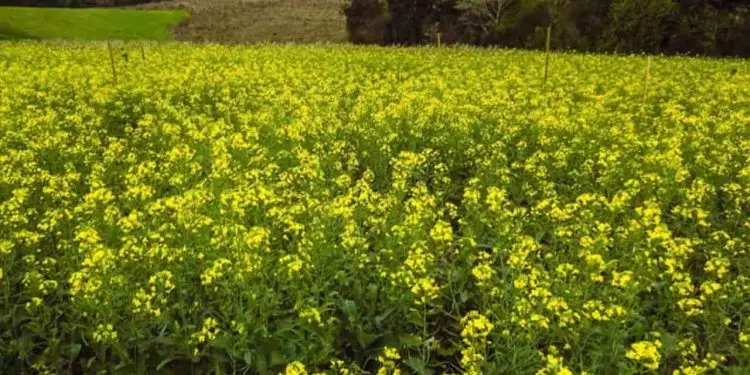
{"points": [[702, 27]]}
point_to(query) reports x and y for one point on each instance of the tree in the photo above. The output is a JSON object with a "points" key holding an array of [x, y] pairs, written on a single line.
{"points": [[641, 25], [504, 22], [708, 27], [407, 20], [366, 21], [485, 15]]}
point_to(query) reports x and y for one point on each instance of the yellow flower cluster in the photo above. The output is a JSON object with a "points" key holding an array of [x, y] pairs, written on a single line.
{"points": [[388, 362], [295, 368], [311, 315], [476, 328], [553, 365], [149, 302], [104, 332], [646, 353], [208, 332], [483, 271], [692, 364]]}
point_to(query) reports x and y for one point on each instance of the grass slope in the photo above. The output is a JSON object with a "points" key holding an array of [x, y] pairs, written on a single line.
{"points": [[87, 24]]}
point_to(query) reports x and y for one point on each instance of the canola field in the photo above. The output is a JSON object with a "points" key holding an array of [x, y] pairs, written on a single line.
{"points": [[349, 210]]}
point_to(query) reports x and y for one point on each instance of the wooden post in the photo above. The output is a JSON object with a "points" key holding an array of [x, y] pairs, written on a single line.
{"points": [[112, 62], [648, 78], [546, 59], [439, 41], [143, 53]]}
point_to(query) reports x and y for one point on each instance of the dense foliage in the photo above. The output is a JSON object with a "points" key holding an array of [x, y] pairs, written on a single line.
{"points": [[363, 210], [716, 27]]}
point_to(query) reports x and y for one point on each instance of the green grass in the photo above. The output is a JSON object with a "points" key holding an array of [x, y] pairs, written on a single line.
{"points": [[87, 24]]}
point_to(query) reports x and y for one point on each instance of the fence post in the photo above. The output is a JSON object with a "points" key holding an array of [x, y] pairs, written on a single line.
{"points": [[546, 59], [648, 78], [439, 41], [143, 53], [112, 62]]}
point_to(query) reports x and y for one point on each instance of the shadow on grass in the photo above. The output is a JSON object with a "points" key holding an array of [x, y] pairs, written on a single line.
{"points": [[8, 32]]}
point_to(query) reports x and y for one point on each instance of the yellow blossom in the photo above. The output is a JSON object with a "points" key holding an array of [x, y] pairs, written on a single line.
{"points": [[646, 353]]}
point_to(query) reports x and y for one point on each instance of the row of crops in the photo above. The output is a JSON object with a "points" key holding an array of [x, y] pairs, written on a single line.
{"points": [[348, 210]]}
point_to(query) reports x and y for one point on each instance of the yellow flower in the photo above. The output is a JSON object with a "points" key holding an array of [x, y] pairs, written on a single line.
{"points": [[553, 364], [691, 306], [442, 232], [482, 272], [208, 332], [5, 247], [621, 279], [389, 354], [293, 264], [216, 271], [595, 261], [257, 236], [744, 339], [519, 283], [295, 368], [388, 362], [425, 288], [646, 353], [718, 266], [311, 315], [105, 333], [708, 288], [476, 327]]}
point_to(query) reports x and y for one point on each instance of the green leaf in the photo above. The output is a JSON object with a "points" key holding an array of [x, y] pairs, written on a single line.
{"points": [[416, 318], [165, 340], [418, 365], [261, 364], [669, 343], [349, 308], [380, 318], [165, 362], [223, 342], [410, 341], [276, 358], [463, 296], [74, 350], [248, 357], [366, 339]]}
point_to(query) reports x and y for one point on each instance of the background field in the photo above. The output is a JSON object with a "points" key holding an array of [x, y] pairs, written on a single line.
{"points": [[252, 21], [223, 21], [671, 27], [87, 24]]}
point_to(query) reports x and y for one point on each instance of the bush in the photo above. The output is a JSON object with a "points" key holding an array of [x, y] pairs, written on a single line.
{"points": [[366, 21]]}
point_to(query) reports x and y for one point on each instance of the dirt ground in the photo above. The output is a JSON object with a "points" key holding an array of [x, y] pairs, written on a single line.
{"points": [[255, 21]]}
